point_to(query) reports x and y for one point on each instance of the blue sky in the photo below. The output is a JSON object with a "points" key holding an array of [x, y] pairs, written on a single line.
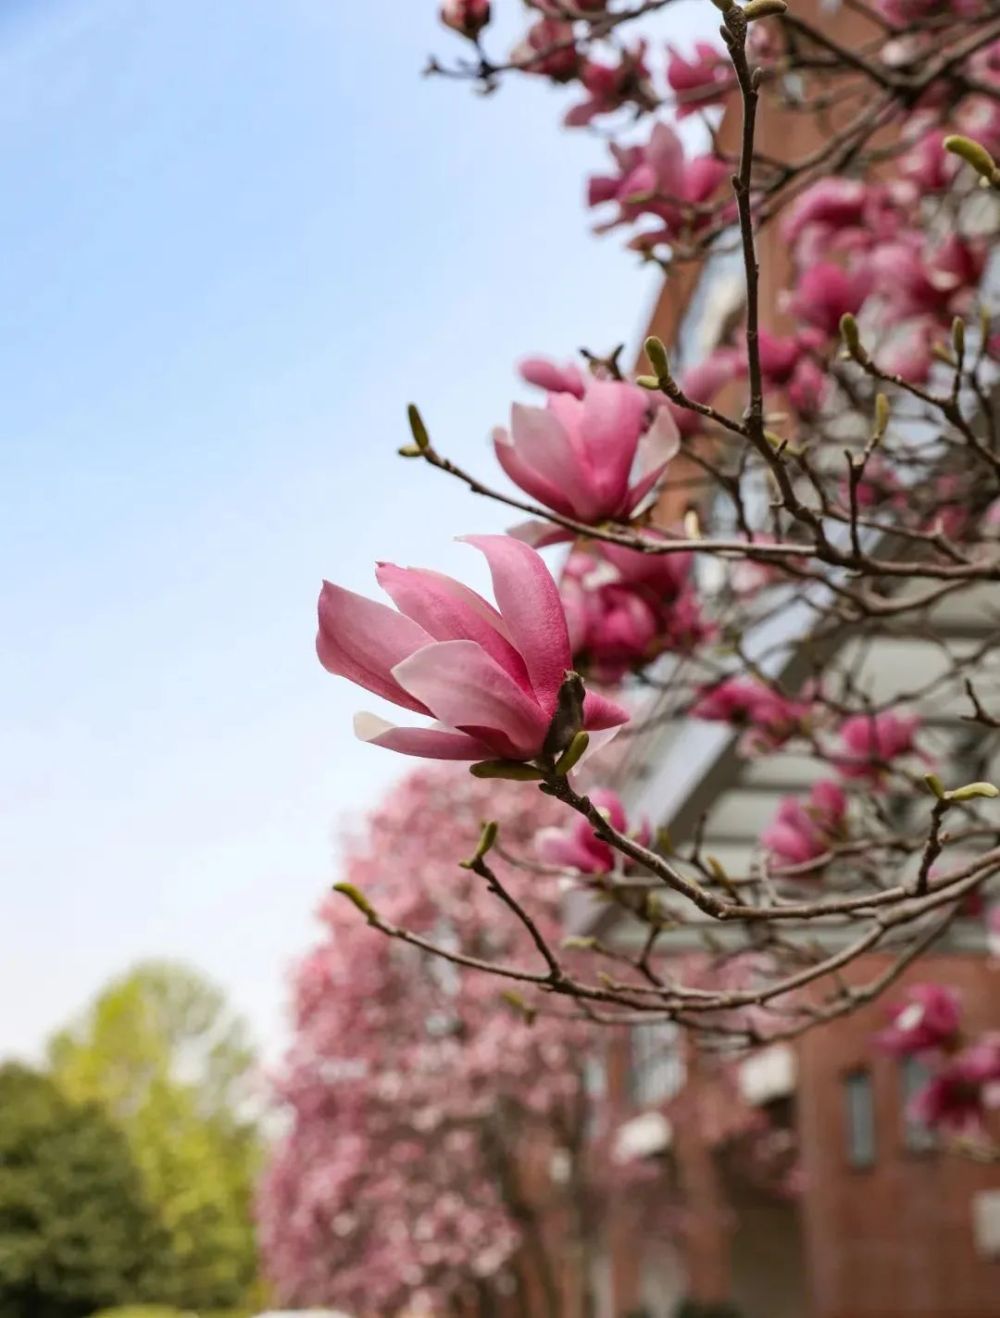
{"points": [[237, 238]]}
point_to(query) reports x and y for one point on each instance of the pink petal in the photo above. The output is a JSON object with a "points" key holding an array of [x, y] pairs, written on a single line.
{"points": [[555, 847], [657, 447], [529, 601], [429, 743], [449, 611], [613, 415], [544, 440], [363, 641], [526, 477], [539, 534], [600, 713], [466, 689]]}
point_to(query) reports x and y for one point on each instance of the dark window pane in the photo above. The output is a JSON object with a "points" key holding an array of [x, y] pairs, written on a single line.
{"points": [[860, 1114]]}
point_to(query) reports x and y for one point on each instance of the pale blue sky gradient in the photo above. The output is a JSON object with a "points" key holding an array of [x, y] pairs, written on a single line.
{"points": [[237, 238]]}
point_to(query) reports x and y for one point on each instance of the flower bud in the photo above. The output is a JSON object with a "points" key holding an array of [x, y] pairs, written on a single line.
{"points": [[763, 9], [467, 17], [976, 155]]}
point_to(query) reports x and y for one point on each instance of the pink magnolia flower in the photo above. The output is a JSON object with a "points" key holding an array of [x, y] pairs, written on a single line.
{"points": [[700, 81], [802, 831], [808, 388], [657, 179], [624, 608], [553, 379], [915, 280], [590, 458], [769, 717], [870, 741], [957, 1098], [491, 677], [548, 48], [610, 86], [928, 1019], [468, 17], [577, 847], [825, 292]]}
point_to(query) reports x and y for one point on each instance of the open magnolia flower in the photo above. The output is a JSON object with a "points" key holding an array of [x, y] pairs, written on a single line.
{"points": [[491, 677], [591, 458]]}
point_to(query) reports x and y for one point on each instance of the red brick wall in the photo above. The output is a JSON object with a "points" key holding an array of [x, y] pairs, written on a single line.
{"points": [[894, 1240]]}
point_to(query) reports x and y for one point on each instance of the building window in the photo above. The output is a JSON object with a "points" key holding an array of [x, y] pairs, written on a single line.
{"points": [[860, 1112], [657, 1068], [913, 1076]]}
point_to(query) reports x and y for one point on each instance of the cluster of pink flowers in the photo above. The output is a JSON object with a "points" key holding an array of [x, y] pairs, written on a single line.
{"points": [[659, 180], [965, 1080], [770, 719], [624, 608], [405, 1081]]}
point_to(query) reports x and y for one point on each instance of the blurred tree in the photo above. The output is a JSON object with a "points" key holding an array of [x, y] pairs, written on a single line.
{"points": [[172, 1066], [76, 1229]]}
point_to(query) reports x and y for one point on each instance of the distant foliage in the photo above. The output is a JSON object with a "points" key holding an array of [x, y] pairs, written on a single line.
{"points": [[76, 1230]]}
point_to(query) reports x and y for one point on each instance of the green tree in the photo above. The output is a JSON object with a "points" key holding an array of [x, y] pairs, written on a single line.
{"points": [[172, 1066], [76, 1229]]}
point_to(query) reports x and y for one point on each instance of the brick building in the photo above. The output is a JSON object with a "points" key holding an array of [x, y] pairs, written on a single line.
{"points": [[887, 1224]]}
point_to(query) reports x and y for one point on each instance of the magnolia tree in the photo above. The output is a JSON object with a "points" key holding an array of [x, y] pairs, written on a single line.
{"points": [[437, 1131], [837, 449]]}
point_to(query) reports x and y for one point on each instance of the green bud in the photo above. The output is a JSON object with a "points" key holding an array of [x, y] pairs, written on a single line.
{"points": [[409, 451], [976, 155], [972, 791], [573, 754], [487, 841], [578, 944], [358, 898], [936, 785], [658, 358], [763, 9], [958, 335], [648, 382], [518, 1004], [417, 428], [852, 339], [882, 416], [511, 770]]}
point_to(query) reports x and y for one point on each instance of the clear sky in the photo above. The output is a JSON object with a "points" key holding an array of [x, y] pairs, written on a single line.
{"points": [[237, 237]]}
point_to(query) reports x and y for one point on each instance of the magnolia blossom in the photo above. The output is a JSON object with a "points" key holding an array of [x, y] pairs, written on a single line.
{"points": [[590, 458], [468, 17], [490, 676], [927, 1020], [957, 1098], [770, 718], [548, 48], [624, 608], [872, 740], [700, 81], [576, 846], [802, 831], [610, 86], [826, 292], [658, 180]]}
